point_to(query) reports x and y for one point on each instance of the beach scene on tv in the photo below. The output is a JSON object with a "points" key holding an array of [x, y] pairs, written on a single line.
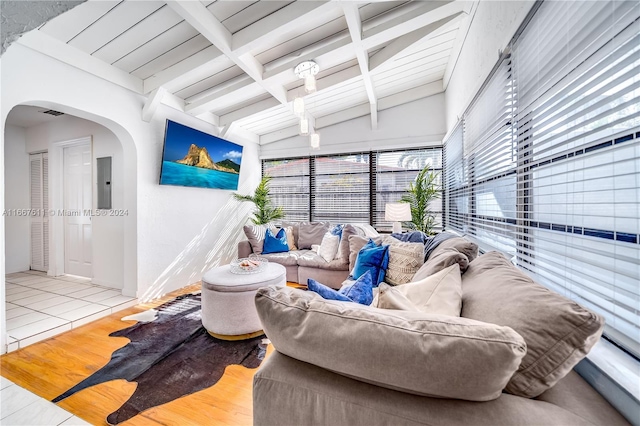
{"points": [[194, 158]]}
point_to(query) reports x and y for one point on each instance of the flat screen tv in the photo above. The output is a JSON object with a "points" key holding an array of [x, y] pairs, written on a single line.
{"points": [[194, 158]]}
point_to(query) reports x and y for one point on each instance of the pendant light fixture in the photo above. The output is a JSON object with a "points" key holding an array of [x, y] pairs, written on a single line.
{"points": [[304, 126], [298, 107], [314, 140], [308, 70]]}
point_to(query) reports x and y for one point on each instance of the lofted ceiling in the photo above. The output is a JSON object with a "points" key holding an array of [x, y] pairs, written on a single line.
{"points": [[231, 63]]}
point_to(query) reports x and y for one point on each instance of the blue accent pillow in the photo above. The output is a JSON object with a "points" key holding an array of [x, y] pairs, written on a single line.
{"points": [[326, 292], [277, 244], [372, 258], [361, 291], [337, 230]]}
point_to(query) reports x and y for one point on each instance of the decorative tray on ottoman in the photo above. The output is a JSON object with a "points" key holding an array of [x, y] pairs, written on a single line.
{"points": [[248, 265]]}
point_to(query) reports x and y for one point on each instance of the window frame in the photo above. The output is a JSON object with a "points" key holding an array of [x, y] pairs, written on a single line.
{"points": [[372, 174]]}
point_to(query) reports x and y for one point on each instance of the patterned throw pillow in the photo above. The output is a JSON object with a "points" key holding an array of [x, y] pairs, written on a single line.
{"points": [[405, 259]]}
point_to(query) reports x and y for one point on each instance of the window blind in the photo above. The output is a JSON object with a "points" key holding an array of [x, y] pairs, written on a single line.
{"points": [[289, 186], [547, 164], [578, 113], [481, 166], [395, 171], [341, 188], [454, 183], [348, 187]]}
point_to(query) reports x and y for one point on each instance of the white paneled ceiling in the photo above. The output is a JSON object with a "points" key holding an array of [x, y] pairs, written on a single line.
{"points": [[231, 62]]}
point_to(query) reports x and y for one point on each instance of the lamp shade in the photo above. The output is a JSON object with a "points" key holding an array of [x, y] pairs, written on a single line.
{"points": [[298, 107], [309, 84], [314, 140], [304, 127], [397, 212]]}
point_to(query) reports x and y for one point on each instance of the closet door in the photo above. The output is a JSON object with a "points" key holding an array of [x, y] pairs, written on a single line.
{"points": [[39, 187]]}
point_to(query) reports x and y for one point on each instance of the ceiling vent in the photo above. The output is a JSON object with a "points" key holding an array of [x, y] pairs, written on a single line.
{"points": [[52, 112]]}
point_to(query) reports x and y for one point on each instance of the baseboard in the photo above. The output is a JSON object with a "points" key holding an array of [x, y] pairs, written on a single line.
{"points": [[112, 285]]}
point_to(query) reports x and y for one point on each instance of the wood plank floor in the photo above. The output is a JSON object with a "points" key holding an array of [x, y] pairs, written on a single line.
{"points": [[51, 367]]}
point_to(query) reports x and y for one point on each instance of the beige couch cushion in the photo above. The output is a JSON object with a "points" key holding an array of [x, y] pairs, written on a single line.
{"points": [[255, 235], [441, 294], [343, 249], [558, 331], [289, 392], [440, 260], [405, 259], [464, 246], [312, 259], [409, 351], [310, 233], [287, 258]]}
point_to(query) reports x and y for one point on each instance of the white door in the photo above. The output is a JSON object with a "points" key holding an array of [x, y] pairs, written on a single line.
{"points": [[39, 188], [77, 210]]}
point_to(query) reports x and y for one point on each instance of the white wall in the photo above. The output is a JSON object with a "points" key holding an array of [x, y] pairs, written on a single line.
{"points": [[414, 124], [172, 233], [492, 27], [188, 230], [107, 232], [16, 196]]}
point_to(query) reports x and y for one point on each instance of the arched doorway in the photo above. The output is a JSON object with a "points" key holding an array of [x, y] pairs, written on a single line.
{"points": [[113, 232]]}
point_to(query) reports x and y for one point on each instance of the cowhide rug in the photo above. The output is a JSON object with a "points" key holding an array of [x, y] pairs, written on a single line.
{"points": [[169, 357]]}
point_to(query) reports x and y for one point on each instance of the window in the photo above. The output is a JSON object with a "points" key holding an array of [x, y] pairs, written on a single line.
{"points": [[289, 186], [348, 187], [554, 181], [341, 191], [395, 170], [481, 183]]}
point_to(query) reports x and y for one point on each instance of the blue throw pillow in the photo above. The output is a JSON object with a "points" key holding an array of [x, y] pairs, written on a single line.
{"points": [[361, 291], [277, 244], [374, 259], [337, 230], [326, 292]]}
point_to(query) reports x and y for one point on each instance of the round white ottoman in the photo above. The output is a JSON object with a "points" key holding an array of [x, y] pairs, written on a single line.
{"points": [[228, 307]]}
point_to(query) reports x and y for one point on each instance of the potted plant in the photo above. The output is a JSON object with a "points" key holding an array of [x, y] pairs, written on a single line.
{"points": [[265, 212], [421, 192]]}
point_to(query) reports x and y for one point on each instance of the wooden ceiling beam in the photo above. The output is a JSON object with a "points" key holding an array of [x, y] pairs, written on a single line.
{"points": [[430, 12], [43, 43], [188, 71], [361, 110], [418, 16], [266, 30], [199, 17], [398, 46], [352, 15]]}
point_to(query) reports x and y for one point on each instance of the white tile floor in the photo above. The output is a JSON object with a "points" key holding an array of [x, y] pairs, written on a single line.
{"points": [[18, 406], [39, 306]]}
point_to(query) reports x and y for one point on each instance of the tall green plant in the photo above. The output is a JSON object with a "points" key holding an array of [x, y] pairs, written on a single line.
{"points": [[265, 212], [421, 192]]}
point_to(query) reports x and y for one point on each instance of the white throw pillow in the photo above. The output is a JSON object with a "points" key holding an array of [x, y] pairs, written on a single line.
{"points": [[440, 293], [329, 246]]}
